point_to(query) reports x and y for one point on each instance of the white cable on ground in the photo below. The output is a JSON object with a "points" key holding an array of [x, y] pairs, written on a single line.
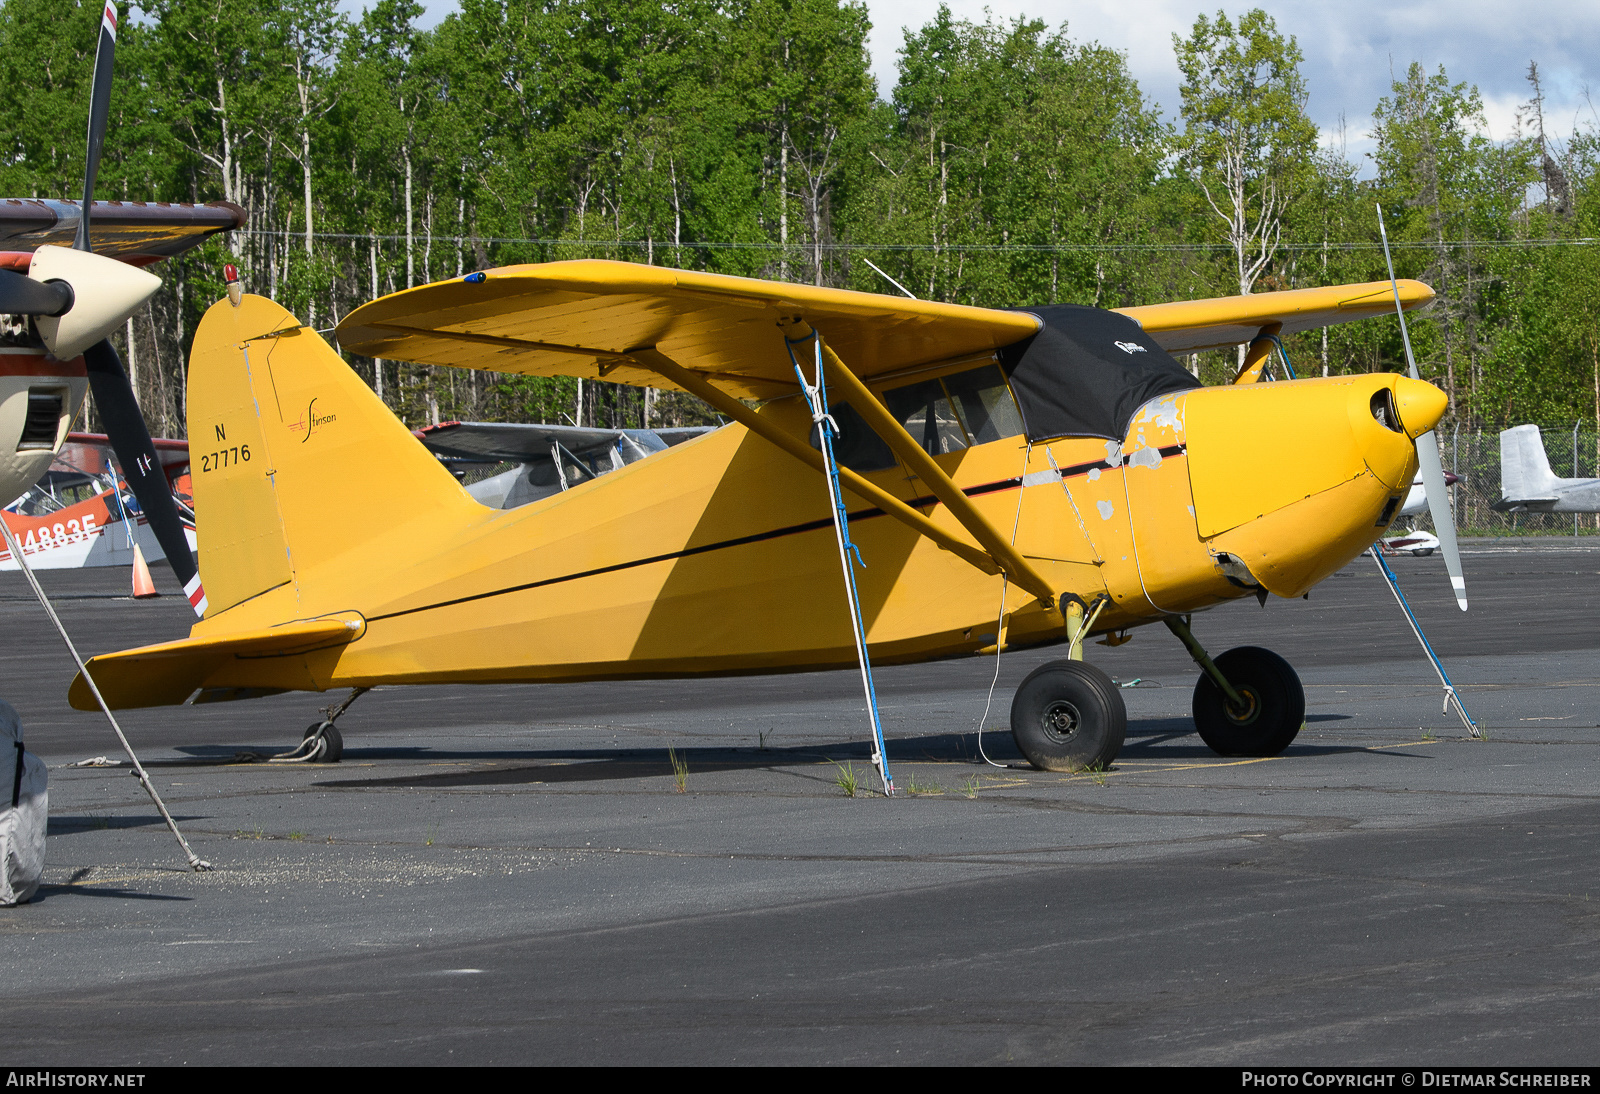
{"points": [[999, 627], [195, 861]]}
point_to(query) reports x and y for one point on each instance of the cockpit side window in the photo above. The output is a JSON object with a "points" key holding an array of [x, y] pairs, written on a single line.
{"points": [[987, 409], [943, 415]]}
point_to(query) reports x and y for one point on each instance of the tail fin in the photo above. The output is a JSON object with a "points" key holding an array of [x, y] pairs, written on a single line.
{"points": [[295, 461], [1524, 468]]}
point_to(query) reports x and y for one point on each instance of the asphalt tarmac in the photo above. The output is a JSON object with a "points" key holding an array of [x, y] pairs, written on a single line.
{"points": [[511, 875]]}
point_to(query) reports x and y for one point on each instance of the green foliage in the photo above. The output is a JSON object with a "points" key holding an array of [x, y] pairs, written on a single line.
{"points": [[1008, 165]]}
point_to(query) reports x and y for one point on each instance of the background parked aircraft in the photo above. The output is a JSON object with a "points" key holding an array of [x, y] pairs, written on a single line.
{"points": [[1528, 486], [82, 514], [548, 458]]}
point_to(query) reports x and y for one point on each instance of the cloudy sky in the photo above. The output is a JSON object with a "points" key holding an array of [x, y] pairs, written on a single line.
{"points": [[1349, 48]]}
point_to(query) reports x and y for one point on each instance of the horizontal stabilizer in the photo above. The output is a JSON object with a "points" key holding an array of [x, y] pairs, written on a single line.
{"points": [[169, 673]]}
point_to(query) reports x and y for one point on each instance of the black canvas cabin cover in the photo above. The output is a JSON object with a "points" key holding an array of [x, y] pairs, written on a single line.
{"points": [[1086, 372]]}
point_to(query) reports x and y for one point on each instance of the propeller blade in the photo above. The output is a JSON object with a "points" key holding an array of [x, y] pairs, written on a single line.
{"points": [[1444, 522], [99, 108], [20, 295], [130, 440]]}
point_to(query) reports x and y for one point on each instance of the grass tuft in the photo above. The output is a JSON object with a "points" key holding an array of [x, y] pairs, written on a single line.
{"points": [[680, 770], [970, 786], [848, 779]]}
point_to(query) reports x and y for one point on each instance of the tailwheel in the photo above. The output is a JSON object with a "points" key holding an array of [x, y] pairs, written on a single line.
{"points": [[1274, 706], [1068, 716], [330, 749]]}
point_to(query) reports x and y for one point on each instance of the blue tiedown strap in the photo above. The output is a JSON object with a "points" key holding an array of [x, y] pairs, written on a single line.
{"points": [[817, 398]]}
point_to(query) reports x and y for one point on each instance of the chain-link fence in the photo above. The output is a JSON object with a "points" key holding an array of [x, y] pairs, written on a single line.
{"points": [[1574, 452]]}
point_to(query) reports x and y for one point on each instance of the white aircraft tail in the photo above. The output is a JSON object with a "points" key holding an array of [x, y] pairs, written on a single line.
{"points": [[1524, 468]]}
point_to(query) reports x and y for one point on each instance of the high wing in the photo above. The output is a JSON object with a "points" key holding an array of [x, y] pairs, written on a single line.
{"points": [[1192, 325], [137, 232], [582, 318]]}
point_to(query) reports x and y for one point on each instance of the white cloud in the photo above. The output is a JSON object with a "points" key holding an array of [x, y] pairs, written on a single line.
{"points": [[1349, 48]]}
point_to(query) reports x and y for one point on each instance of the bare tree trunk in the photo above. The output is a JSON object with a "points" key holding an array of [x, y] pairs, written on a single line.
{"points": [[377, 362], [411, 269]]}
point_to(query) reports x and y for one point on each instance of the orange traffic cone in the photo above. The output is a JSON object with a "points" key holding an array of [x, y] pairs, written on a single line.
{"points": [[143, 587]]}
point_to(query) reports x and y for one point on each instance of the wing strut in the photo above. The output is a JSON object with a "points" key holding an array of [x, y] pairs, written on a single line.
{"points": [[698, 385], [888, 427]]}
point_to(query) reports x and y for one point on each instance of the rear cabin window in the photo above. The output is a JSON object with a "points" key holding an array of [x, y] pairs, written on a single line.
{"points": [[943, 415]]}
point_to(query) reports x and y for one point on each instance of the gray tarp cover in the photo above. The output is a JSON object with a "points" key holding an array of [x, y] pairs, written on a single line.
{"points": [[1086, 372], [24, 812]]}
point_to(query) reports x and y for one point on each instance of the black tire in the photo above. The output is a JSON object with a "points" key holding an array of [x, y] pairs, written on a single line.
{"points": [[1068, 716], [332, 743], [1277, 704], [1423, 553]]}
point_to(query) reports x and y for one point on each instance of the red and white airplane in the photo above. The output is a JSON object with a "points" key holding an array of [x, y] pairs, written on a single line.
{"points": [[81, 513]]}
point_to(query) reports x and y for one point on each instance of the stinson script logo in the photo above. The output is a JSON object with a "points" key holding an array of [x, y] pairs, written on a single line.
{"points": [[310, 420]]}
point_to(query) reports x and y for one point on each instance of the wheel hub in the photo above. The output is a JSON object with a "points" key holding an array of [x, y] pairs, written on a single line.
{"points": [[1242, 716], [1061, 720]]}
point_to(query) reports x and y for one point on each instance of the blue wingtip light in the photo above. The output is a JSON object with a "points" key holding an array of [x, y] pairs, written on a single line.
{"points": [[476, 277]]}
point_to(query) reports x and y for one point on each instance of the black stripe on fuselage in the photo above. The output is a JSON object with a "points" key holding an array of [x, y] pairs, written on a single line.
{"points": [[759, 537]]}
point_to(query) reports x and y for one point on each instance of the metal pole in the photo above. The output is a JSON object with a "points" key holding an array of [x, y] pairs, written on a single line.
{"points": [[195, 861], [1574, 472]]}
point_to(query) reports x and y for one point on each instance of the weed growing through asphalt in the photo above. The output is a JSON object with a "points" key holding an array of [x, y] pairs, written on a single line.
{"points": [[297, 836], [914, 787], [848, 779], [1427, 735], [1097, 772], [680, 770], [970, 787]]}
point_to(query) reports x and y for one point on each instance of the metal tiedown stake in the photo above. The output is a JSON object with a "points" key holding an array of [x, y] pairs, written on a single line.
{"points": [[195, 861]]}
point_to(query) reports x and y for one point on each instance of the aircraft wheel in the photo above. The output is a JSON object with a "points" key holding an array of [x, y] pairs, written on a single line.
{"points": [[332, 743], [1275, 704], [1423, 553], [1068, 716]]}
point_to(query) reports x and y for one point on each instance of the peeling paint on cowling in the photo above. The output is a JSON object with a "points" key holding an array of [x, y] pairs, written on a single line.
{"points": [[1114, 453], [1106, 509], [1094, 474]]}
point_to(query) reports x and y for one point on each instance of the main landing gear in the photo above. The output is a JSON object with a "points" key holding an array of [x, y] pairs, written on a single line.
{"points": [[1248, 702], [1069, 716]]}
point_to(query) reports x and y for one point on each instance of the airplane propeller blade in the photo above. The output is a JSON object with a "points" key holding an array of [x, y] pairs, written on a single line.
{"points": [[130, 440], [113, 395], [99, 108], [1444, 521], [22, 295]]}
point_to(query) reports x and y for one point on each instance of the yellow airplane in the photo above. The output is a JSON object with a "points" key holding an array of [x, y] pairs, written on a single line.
{"points": [[1012, 478]]}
